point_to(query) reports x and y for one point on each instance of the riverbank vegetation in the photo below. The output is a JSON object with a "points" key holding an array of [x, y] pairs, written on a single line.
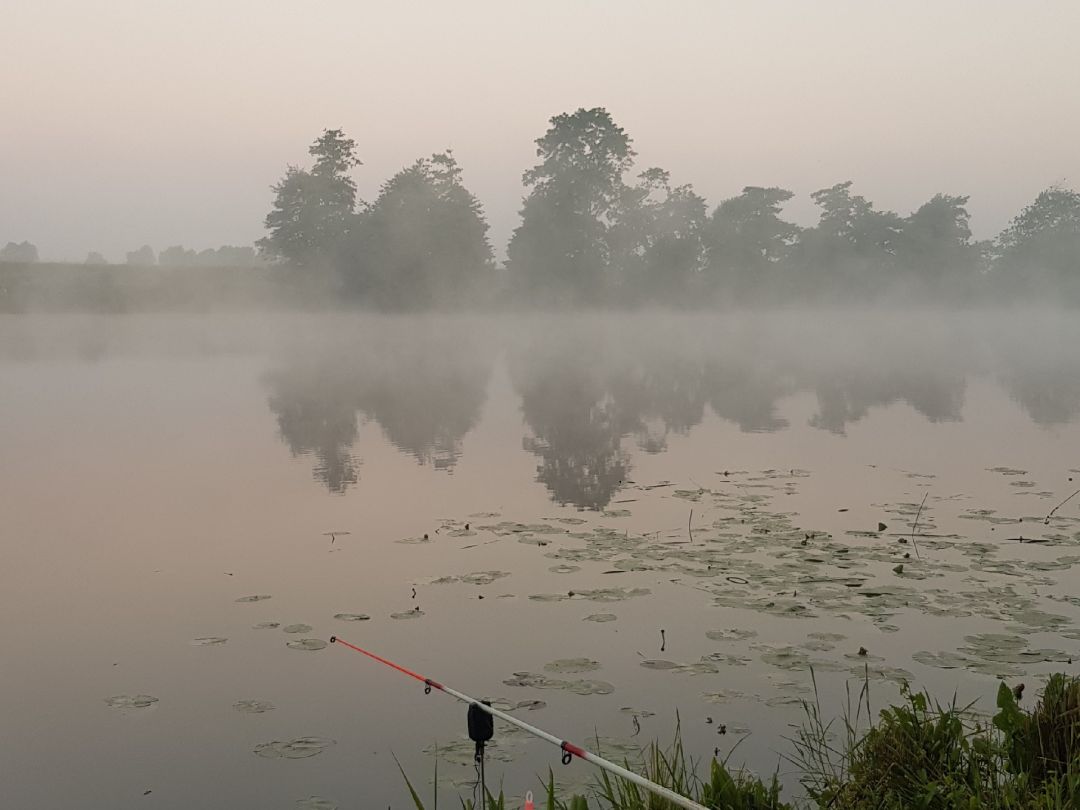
{"points": [[917, 754]]}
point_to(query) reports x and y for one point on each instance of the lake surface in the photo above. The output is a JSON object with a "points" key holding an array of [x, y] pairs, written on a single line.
{"points": [[622, 517]]}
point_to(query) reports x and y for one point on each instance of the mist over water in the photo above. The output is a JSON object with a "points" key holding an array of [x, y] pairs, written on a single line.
{"points": [[169, 466]]}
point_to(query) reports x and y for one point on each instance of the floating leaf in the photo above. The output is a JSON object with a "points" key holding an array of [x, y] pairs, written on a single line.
{"points": [[600, 617], [297, 628], [131, 701], [571, 666], [309, 644], [254, 706], [258, 597], [300, 748], [578, 687], [208, 641], [352, 617], [316, 803], [730, 635]]}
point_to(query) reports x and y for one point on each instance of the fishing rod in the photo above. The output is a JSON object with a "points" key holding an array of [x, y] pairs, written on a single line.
{"points": [[568, 748]]}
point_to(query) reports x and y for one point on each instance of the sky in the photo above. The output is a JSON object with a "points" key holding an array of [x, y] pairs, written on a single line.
{"points": [[124, 122]]}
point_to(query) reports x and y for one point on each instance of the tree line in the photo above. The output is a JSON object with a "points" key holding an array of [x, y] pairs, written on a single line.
{"points": [[594, 232], [175, 256]]}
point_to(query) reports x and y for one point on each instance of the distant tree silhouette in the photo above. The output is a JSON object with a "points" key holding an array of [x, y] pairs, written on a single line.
{"points": [[143, 257], [852, 250], [655, 239], [93, 257], [177, 256], [746, 240], [1042, 244], [935, 245], [19, 252], [559, 253], [422, 243], [312, 209]]}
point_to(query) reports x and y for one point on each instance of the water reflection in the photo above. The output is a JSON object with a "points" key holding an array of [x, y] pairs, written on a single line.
{"points": [[592, 390], [423, 383]]}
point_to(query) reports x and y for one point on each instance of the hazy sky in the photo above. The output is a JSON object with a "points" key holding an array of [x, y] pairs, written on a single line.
{"points": [[125, 122]]}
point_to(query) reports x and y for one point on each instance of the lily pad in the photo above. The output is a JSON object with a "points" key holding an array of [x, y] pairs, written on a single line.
{"points": [[316, 803], [300, 748], [578, 687], [660, 664], [569, 666], [733, 634], [208, 641], [309, 644], [352, 617], [266, 626], [600, 617], [415, 613], [131, 701], [254, 706], [297, 628], [258, 597]]}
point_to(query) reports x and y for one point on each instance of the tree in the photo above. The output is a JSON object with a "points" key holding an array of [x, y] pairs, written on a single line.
{"points": [[312, 209], [19, 253], [935, 244], [93, 257], [423, 242], [655, 240], [143, 257], [746, 238], [559, 252], [1043, 240], [177, 256], [853, 247]]}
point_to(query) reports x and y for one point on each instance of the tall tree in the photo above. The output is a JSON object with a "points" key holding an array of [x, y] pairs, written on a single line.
{"points": [[655, 241], [423, 242], [19, 252], [143, 257], [935, 245], [312, 209], [853, 248], [560, 252], [1042, 243], [746, 238]]}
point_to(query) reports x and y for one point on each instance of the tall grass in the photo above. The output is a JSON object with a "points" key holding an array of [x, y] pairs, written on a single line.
{"points": [[918, 754]]}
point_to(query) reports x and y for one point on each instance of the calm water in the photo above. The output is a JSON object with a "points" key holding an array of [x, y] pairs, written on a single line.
{"points": [[583, 483]]}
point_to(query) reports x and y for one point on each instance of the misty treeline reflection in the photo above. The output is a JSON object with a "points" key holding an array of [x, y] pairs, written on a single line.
{"points": [[592, 391], [597, 230]]}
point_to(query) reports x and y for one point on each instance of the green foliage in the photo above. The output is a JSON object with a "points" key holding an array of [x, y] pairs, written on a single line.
{"points": [[423, 243], [1041, 247], [921, 754], [655, 240], [560, 252], [673, 769], [312, 209], [917, 754], [747, 241]]}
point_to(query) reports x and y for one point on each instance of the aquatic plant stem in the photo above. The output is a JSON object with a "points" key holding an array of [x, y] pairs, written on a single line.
{"points": [[1047, 519], [915, 526]]}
